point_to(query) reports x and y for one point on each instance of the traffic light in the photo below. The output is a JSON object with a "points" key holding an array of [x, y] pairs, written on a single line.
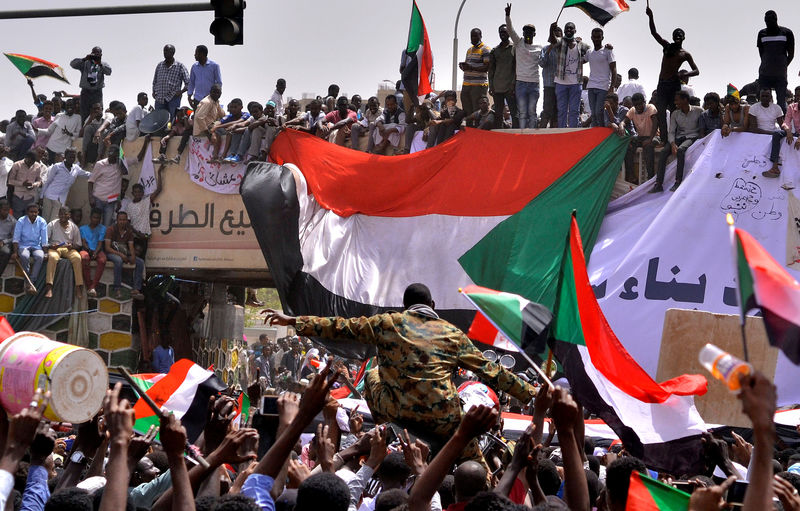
{"points": [[228, 24]]}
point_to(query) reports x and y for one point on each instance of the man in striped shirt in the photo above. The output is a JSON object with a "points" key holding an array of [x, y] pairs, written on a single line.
{"points": [[476, 72]]}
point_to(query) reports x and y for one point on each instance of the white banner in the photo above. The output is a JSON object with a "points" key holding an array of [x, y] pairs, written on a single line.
{"points": [[147, 176], [217, 177], [673, 250]]}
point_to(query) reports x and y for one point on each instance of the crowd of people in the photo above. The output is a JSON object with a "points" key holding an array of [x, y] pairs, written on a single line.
{"points": [[424, 451]]}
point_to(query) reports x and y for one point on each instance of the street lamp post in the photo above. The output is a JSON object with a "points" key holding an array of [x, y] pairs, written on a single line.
{"points": [[455, 46]]}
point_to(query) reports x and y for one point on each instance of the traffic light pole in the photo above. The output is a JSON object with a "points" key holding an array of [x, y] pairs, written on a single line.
{"points": [[107, 10]]}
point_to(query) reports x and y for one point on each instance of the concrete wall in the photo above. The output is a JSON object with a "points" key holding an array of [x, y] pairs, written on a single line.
{"points": [[109, 329]]}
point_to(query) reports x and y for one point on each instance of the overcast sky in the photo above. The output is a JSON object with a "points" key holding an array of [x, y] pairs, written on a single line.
{"points": [[357, 43]]}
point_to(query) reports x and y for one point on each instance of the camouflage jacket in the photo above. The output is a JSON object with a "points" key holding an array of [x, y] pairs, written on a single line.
{"points": [[418, 357]]}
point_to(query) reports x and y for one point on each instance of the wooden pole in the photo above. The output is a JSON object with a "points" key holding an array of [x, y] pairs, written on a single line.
{"points": [[25, 274]]}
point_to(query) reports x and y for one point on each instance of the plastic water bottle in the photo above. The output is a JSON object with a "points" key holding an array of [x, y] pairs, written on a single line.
{"points": [[724, 366]]}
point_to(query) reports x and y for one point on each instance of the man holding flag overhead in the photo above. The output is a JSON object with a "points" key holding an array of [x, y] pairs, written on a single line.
{"points": [[417, 353]]}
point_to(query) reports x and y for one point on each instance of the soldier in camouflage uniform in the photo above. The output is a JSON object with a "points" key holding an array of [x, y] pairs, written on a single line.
{"points": [[418, 354]]}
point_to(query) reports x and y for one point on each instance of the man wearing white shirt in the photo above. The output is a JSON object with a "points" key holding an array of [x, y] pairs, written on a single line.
{"points": [[765, 118], [135, 116], [527, 56], [5, 167], [277, 96], [632, 86], [59, 181], [602, 68], [63, 130]]}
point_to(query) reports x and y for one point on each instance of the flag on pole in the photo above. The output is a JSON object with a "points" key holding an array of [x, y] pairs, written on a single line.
{"points": [[647, 494], [602, 11], [765, 284], [417, 74], [34, 67], [657, 422], [185, 391], [506, 314]]}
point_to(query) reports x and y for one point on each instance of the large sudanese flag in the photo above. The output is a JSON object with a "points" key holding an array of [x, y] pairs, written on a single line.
{"points": [[657, 422], [34, 67], [765, 284], [602, 11], [345, 232], [418, 72]]}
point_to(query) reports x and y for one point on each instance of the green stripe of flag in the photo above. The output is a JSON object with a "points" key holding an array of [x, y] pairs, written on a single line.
{"points": [[745, 276], [519, 255], [416, 30], [567, 323], [647, 494], [24, 65]]}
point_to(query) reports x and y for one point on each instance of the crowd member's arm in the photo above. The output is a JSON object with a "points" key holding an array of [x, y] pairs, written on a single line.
{"points": [[36, 492], [786, 493], [325, 447], [495, 375], [519, 461], [477, 421], [565, 414], [542, 403], [227, 452], [173, 438], [138, 448], [532, 477], [377, 454], [87, 442], [258, 485], [33, 93], [22, 428], [415, 453], [758, 402], [710, 498], [119, 423], [361, 329], [660, 40], [511, 32]]}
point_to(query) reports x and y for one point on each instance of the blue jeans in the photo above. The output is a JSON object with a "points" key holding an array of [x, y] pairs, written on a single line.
{"points": [[170, 105], [25, 254], [527, 98], [568, 98], [108, 208], [597, 102], [137, 272]]}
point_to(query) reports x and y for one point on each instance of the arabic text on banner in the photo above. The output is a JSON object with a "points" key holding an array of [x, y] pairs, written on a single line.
{"points": [[672, 250], [147, 176], [217, 177]]}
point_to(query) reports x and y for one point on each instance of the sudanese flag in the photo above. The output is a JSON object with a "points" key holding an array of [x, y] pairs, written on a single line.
{"points": [[34, 67]]}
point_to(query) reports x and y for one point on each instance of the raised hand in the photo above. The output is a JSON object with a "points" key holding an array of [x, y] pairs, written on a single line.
{"points": [[415, 453], [139, 446], [758, 399], [741, 450], [316, 394], [273, 317], [43, 444], [565, 410], [233, 443], [478, 420], [118, 416], [173, 435], [708, 499], [377, 451], [786, 493], [508, 9], [355, 421], [288, 407], [221, 411], [325, 448], [297, 473]]}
